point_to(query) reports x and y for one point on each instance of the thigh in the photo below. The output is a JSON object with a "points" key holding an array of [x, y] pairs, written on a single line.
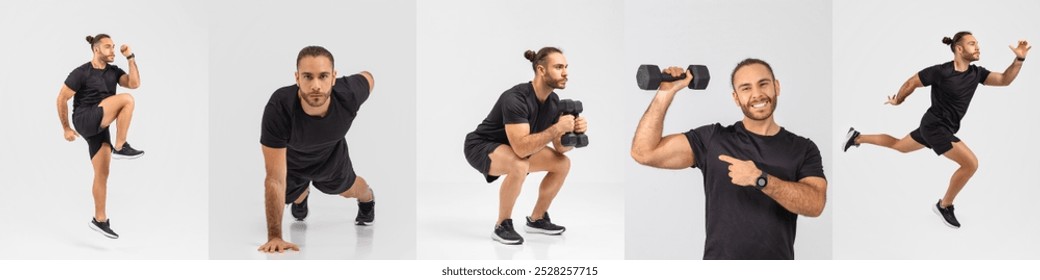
{"points": [[503, 160], [909, 143], [112, 105], [549, 159], [961, 154]]}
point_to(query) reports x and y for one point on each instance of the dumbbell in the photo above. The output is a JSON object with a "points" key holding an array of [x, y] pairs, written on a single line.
{"points": [[649, 77], [573, 139]]}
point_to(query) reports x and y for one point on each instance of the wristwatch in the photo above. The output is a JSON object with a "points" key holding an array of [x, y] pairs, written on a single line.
{"points": [[131, 56], [1020, 58], [762, 181]]}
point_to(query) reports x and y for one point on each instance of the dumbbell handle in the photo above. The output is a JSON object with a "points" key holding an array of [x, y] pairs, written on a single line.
{"points": [[665, 77]]}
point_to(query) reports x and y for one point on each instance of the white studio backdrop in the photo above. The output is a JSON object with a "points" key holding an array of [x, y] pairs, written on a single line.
{"points": [[157, 203], [254, 49], [469, 53], [883, 210], [665, 211]]}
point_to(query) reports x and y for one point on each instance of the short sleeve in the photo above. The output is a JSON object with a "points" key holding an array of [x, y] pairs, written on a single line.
{"points": [[514, 109], [118, 71], [812, 164], [930, 75], [356, 90], [983, 74], [75, 80], [275, 126], [699, 139]]}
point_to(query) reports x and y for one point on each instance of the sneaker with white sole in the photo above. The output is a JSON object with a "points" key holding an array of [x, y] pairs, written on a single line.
{"points": [[544, 226], [105, 228]]}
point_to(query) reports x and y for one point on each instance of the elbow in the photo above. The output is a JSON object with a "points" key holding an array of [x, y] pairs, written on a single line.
{"points": [[640, 156], [815, 212]]}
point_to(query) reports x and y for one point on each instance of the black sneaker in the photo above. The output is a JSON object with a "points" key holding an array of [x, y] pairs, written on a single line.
{"points": [[946, 214], [504, 233], [366, 213], [103, 228], [544, 226], [127, 152], [850, 139], [299, 211]]}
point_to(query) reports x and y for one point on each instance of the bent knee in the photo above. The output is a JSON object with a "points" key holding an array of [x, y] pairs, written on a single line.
{"points": [[519, 167]]}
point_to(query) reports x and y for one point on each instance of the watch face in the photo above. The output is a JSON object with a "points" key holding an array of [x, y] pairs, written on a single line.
{"points": [[761, 182]]}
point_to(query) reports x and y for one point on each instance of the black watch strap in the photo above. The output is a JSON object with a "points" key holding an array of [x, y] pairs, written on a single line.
{"points": [[1020, 58], [762, 181], [131, 56]]}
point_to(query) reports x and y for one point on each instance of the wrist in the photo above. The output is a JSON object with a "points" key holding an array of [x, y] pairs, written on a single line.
{"points": [[131, 56], [1020, 58]]}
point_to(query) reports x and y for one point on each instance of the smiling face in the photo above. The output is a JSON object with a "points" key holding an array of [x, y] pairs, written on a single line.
{"points": [[755, 91], [105, 49], [315, 77]]}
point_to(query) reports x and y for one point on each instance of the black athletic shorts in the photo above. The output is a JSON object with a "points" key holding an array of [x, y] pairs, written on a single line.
{"points": [[935, 135], [477, 151], [87, 120], [295, 185]]}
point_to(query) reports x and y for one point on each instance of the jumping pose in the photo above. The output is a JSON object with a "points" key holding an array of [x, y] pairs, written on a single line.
{"points": [[953, 85], [95, 107]]}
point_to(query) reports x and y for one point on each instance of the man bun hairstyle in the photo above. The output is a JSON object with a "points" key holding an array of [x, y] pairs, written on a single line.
{"points": [[952, 42], [537, 58], [93, 40]]}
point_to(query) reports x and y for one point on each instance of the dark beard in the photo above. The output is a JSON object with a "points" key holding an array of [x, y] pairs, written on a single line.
{"points": [[315, 100], [747, 110]]}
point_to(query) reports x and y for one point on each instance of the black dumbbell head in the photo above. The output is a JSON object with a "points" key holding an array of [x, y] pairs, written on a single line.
{"points": [[648, 77], [700, 76]]}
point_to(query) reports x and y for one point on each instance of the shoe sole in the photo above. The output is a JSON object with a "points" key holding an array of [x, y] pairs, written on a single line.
{"points": [[102, 232], [118, 156], [943, 219], [358, 223], [507, 242], [530, 229], [848, 137]]}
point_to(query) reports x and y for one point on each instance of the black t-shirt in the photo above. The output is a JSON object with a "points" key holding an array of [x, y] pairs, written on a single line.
{"points": [[316, 147], [518, 105], [92, 85], [743, 222], [952, 91]]}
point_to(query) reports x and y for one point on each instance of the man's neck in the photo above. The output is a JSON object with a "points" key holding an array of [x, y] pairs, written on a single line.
{"points": [[960, 64], [766, 127], [541, 90], [97, 63]]}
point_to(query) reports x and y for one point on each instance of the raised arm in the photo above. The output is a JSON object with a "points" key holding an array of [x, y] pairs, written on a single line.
{"points": [[64, 94], [1008, 76], [371, 81], [130, 80], [648, 147], [274, 200]]}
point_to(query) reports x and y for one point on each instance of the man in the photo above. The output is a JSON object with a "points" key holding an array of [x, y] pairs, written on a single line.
{"points": [[758, 177], [95, 106], [953, 86], [302, 138], [512, 142]]}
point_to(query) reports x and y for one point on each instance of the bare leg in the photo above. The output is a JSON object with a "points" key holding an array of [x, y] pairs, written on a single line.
{"points": [[118, 108], [302, 196], [963, 156], [505, 162], [557, 165], [101, 163], [359, 190], [905, 145]]}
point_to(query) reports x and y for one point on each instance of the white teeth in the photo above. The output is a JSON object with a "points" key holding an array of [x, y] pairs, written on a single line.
{"points": [[759, 105]]}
